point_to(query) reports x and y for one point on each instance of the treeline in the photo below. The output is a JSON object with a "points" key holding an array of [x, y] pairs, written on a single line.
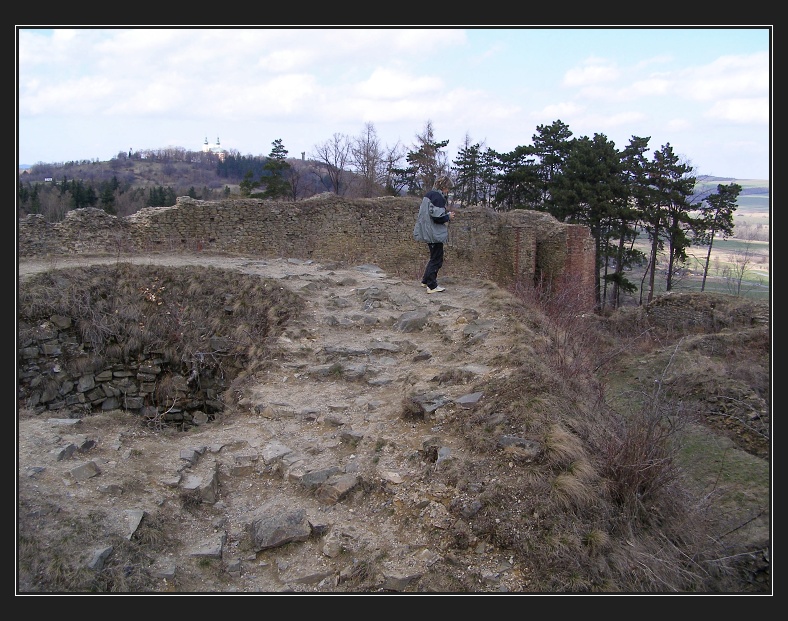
{"points": [[620, 195], [135, 180], [54, 199], [124, 185]]}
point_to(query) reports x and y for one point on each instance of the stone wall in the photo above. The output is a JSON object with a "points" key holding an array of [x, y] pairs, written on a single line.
{"points": [[523, 247], [135, 386], [517, 246]]}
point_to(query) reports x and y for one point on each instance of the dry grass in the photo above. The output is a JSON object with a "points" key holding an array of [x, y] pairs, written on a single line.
{"points": [[124, 312], [600, 507], [605, 477]]}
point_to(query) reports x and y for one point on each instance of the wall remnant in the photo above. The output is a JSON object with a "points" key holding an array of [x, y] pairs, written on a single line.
{"points": [[519, 246]]}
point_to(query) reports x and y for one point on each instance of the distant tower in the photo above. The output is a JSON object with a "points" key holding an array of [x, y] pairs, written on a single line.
{"points": [[216, 149]]}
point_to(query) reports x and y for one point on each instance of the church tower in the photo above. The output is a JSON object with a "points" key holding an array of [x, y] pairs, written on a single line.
{"points": [[216, 150]]}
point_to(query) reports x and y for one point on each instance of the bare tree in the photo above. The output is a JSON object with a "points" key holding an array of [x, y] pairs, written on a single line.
{"points": [[755, 232], [54, 205], [392, 161], [294, 178], [334, 155], [368, 158], [741, 259]]}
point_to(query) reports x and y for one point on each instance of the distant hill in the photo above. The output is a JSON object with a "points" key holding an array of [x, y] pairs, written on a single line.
{"points": [[201, 179], [158, 179], [749, 186], [165, 174], [135, 173]]}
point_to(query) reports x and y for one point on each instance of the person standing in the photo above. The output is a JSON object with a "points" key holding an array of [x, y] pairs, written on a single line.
{"points": [[432, 228]]}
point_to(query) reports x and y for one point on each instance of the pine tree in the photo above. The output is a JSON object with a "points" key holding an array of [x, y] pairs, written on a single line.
{"points": [[276, 172], [717, 217]]}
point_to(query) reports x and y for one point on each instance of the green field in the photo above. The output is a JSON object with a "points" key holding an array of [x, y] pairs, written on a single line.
{"points": [[753, 205], [739, 265]]}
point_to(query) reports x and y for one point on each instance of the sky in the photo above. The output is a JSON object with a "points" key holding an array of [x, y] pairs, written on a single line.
{"points": [[87, 93]]}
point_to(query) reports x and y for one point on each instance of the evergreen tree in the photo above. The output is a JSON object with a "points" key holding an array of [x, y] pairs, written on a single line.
{"points": [[517, 185], [107, 198], [488, 175], [666, 215], [717, 217], [23, 193], [425, 164], [161, 197], [589, 190], [248, 184], [276, 173], [551, 146], [468, 175], [633, 169]]}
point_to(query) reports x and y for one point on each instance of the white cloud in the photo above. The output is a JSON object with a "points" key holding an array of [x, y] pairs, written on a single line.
{"points": [[286, 60], [603, 123], [742, 110], [678, 125], [728, 76], [737, 77], [561, 110], [83, 96], [594, 72], [621, 119], [305, 84], [390, 84], [650, 87]]}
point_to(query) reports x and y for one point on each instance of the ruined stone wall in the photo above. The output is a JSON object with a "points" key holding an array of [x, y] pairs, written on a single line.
{"points": [[45, 383], [519, 245]]}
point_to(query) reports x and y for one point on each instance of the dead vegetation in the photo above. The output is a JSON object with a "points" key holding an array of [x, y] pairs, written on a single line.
{"points": [[594, 492]]}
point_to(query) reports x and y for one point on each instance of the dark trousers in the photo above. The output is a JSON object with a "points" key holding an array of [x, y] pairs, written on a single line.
{"points": [[430, 277]]}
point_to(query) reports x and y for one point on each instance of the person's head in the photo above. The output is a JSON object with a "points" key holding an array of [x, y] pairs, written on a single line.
{"points": [[443, 183]]}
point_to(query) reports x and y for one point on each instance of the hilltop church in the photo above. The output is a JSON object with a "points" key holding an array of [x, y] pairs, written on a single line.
{"points": [[216, 149]]}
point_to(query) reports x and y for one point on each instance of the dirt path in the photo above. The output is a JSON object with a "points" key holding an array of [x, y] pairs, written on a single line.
{"points": [[332, 408], [335, 401]]}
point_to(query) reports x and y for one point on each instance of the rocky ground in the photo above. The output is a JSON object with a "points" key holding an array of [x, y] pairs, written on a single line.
{"points": [[334, 403], [314, 481]]}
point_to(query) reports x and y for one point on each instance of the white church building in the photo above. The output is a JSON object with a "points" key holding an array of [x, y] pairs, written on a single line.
{"points": [[216, 149]]}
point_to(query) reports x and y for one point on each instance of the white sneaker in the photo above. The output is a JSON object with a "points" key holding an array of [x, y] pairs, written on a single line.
{"points": [[436, 290], [424, 284]]}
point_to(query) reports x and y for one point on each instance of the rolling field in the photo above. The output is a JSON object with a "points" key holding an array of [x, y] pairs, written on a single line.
{"points": [[739, 265]]}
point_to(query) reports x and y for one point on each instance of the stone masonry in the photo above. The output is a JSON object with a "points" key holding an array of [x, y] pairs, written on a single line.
{"points": [[519, 246]]}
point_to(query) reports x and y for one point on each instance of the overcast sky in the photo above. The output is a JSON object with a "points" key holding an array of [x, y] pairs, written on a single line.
{"points": [[88, 94]]}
